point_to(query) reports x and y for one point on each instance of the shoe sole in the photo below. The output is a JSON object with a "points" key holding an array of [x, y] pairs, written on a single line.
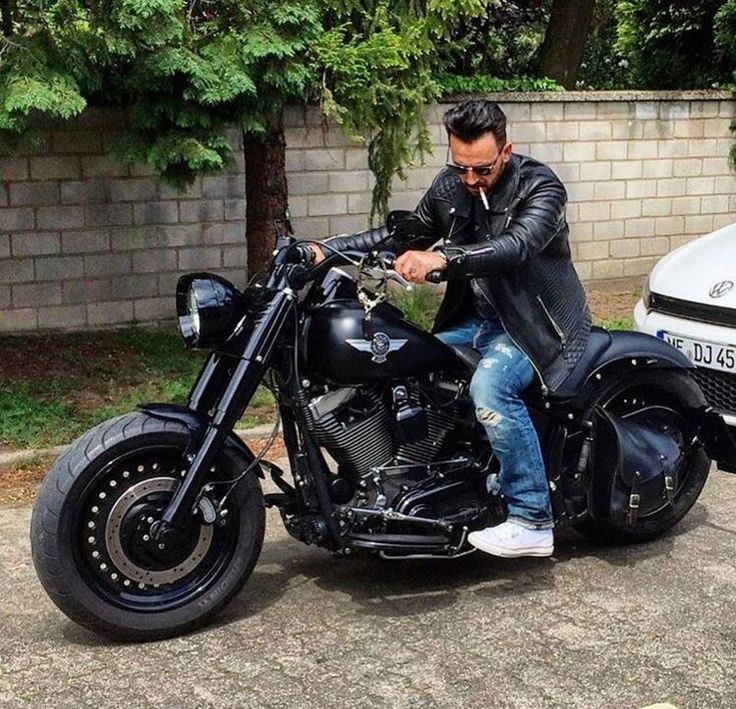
{"points": [[511, 553]]}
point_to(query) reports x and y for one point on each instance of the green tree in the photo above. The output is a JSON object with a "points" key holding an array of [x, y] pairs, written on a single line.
{"points": [[671, 44], [602, 67], [503, 41], [188, 69], [525, 41], [567, 33]]}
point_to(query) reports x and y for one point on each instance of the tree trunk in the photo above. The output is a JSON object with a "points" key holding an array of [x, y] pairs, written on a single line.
{"points": [[564, 41], [7, 12], [266, 192]]}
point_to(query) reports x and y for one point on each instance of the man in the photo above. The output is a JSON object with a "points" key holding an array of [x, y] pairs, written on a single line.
{"points": [[512, 293]]}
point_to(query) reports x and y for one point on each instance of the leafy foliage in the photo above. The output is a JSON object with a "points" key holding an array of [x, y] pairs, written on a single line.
{"points": [[378, 62], [453, 85], [672, 44], [603, 67], [418, 305], [725, 32], [185, 71], [501, 42]]}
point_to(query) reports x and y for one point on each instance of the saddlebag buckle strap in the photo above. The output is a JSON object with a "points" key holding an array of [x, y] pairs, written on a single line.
{"points": [[669, 488], [634, 499]]}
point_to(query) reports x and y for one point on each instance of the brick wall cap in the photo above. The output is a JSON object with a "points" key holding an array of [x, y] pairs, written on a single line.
{"points": [[586, 96]]}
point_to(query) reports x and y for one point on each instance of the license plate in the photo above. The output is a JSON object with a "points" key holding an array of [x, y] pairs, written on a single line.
{"points": [[703, 353]]}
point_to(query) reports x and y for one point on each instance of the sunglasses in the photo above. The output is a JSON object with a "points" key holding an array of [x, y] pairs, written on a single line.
{"points": [[480, 170]]}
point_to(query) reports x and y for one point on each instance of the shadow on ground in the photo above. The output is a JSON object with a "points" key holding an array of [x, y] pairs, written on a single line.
{"points": [[397, 589]]}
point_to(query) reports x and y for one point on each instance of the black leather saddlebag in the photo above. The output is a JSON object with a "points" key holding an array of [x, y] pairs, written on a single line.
{"points": [[634, 465]]}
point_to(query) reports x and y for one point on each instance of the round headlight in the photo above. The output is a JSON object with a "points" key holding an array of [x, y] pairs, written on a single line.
{"points": [[208, 307]]}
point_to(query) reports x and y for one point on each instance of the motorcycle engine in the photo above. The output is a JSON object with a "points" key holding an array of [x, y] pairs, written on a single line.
{"points": [[366, 427]]}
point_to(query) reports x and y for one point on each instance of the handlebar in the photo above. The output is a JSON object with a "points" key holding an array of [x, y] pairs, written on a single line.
{"points": [[302, 255]]}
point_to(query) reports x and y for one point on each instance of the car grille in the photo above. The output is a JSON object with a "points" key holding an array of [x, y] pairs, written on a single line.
{"points": [[719, 388], [701, 312]]}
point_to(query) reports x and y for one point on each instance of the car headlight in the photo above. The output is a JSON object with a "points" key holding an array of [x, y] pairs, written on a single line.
{"points": [[646, 293], [207, 307]]}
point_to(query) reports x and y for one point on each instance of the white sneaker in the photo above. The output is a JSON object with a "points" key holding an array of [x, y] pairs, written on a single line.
{"points": [[511, 540]]}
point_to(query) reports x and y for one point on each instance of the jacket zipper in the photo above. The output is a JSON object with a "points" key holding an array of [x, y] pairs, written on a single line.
{"points": [[557, 328], [545, 388], [452, 229]]}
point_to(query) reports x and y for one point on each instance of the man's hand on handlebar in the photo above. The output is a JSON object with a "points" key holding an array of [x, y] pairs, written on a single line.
{"points": [[415, 265]]}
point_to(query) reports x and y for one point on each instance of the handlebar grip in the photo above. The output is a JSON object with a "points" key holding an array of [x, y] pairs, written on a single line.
{"points": [[436, 276], [388, 259], [301, 254]]}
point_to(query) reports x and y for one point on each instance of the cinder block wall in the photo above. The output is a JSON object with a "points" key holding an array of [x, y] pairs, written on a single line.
{"points": [[86, 242], [645, 172]]}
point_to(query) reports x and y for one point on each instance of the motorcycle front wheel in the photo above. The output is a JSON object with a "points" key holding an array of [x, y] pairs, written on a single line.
{"points": [[91, 542]]}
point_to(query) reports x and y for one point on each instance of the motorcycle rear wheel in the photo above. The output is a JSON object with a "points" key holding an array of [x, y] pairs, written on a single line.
{"points": [[662, 390], [90, 542]]}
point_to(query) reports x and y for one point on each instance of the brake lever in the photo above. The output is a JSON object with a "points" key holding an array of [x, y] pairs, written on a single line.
{"points": [[397, 278], [388, 260]]}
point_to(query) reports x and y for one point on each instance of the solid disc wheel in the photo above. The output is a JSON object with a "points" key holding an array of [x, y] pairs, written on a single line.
{"points": [[657, 399], [92, 540]]}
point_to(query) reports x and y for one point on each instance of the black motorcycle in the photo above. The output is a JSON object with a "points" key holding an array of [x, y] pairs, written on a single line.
{"points": [[151, 522]]}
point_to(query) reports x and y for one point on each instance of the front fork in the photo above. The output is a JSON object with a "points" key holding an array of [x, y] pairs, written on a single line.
{"points": [[258, 339]]}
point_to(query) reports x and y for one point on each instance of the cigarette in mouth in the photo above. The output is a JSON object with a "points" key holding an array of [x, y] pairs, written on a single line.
{"points": [[485, 200]]}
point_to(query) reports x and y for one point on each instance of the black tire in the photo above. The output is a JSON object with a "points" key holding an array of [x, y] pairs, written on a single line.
{"points": [[111, 478], [675, 390]]}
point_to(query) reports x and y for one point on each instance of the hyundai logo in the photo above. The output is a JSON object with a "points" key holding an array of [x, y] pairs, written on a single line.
{"points": [[720, 289]]}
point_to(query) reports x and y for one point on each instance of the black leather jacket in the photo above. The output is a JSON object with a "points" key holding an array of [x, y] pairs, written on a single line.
{"points": [[522, 262]]}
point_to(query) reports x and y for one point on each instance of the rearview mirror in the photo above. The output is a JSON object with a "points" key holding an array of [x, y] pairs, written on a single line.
{"points": [[405, 225]]}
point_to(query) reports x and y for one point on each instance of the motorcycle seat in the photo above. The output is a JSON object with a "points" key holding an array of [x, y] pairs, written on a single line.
{"points": [[598, 342]]}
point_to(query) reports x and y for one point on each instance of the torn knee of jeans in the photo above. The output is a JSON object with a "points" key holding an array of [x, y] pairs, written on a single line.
{"points": [[487, 362], [487, 416], [504, 349]]}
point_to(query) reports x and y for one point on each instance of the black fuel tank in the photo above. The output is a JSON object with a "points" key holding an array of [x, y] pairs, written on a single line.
{"points": [[340, 346]]}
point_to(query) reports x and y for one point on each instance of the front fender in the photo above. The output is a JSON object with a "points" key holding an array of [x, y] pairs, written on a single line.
{"points": [[196, 423]]}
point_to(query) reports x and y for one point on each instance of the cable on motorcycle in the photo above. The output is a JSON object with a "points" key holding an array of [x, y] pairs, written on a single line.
{"points": [[234, 481]]}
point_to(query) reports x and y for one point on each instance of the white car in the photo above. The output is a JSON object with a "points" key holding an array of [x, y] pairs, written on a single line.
{"points": [[689, 300]]}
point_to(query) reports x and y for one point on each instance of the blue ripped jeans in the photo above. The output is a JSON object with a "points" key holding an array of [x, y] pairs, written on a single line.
{"points": [[502, 374]]}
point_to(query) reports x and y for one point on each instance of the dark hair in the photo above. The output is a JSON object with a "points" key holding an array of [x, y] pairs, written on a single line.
{"points": [[475, 117]]}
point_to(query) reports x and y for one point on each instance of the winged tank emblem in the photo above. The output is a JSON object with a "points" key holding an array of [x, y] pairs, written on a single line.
{"points": [[381, 345]]}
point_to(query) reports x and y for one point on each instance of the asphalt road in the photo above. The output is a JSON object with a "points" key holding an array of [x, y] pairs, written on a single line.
{"points": [[593, 627]]}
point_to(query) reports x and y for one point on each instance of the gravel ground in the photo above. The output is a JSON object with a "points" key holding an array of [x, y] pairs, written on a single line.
{"points": [[594, 626]]}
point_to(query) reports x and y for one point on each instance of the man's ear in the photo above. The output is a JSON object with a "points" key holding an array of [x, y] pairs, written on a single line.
{"points": [[506, 152]]}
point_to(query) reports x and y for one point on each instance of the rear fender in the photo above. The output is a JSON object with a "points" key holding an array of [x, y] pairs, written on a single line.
{"points": [[631, 351], [197, 424], [625, 353]]}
